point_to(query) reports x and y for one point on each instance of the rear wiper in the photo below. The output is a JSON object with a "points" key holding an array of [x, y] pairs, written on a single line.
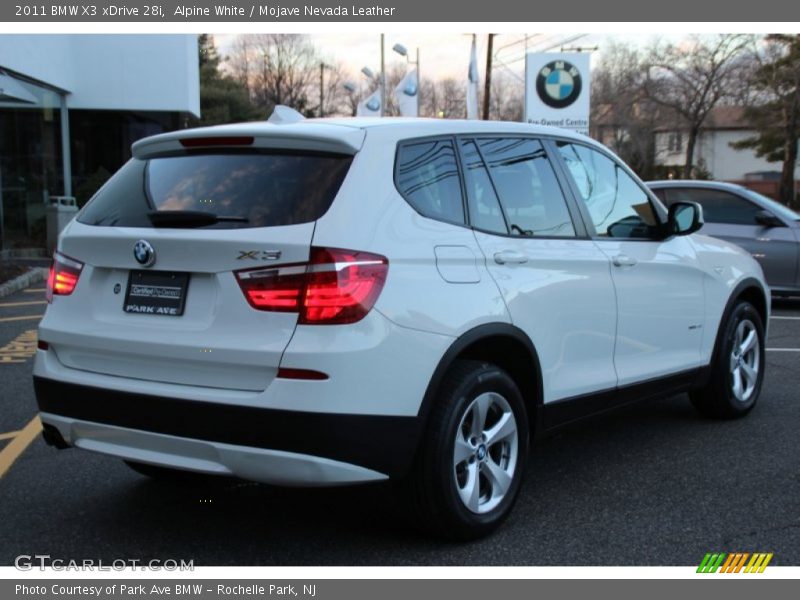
{"points": [[189, 218]]}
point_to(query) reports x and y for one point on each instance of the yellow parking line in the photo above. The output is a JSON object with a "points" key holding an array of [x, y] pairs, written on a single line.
{"points": [[25, 318], [10, 434], [17, 446], [31, 303]]}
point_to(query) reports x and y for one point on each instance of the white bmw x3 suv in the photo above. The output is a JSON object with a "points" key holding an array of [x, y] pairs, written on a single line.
{"points": [[341, 301]]}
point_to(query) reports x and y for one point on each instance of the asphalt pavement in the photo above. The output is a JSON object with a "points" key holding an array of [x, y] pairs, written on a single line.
{"points": [[653, 484]]}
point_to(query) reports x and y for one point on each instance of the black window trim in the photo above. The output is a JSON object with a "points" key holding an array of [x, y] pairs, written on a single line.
{"points": [[658, 208], [575, 217], [573, 205]]}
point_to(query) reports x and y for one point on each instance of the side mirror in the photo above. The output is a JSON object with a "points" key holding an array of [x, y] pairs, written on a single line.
{"points": [[684, 218], [767, 219]]}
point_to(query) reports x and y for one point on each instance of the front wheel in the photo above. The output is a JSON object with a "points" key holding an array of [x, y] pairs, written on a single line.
{"points": [[469, 469], [738, 368]]}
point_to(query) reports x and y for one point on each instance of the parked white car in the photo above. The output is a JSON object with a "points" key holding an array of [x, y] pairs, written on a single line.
{"points": [[343, 301]]}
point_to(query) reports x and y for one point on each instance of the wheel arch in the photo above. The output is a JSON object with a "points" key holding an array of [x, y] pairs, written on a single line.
{"points": [[501, 344], [751, 290]]}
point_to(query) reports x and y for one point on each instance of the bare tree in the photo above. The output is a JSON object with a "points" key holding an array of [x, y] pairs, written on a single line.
{"points": [[691, 79], [623, 117], [336, 97], [278, 69], [445, 98], [507, 99]]}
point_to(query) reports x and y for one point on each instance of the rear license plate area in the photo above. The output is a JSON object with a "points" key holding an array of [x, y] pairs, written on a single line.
{"points": [[156, 293]]}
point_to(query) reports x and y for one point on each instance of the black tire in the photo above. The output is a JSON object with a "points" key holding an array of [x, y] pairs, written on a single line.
{"points": [[433, 488], [718, 398], [179, 477]]}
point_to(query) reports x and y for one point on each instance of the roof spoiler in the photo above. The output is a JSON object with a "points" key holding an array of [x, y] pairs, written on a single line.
{"points": [[283, 115]]}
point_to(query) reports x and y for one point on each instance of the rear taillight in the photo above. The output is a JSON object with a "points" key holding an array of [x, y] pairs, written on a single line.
{"points": [[63, 276], [335, 287]]}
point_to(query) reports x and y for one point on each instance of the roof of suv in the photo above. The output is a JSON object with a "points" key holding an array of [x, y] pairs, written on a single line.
{"points": [[348, 133]]}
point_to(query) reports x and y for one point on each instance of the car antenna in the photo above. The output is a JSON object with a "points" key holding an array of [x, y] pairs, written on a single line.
{"points": [[283, 115]]}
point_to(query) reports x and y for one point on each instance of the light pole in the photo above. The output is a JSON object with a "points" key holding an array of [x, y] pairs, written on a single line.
{"points": [[322, 67], [487, 86], [383, 76], [403, 51]]}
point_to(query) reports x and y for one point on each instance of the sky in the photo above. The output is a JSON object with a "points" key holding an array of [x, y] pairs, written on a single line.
{"points": [[446, 54]]}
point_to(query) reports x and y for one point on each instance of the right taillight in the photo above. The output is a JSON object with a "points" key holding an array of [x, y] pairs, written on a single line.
{"points": [[63, 276], [334, 287]]}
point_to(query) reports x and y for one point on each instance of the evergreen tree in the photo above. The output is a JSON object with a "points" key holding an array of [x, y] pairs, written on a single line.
{"points": [[775, 108], [223, 99]]}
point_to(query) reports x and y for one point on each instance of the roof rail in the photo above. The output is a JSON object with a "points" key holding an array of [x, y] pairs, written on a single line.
{"points": [[283, 115]]}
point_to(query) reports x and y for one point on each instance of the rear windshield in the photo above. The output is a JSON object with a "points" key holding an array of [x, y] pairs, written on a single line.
{"points": [[256, 190]]}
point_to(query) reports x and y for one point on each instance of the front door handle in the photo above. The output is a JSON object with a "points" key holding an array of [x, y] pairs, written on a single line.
{"points": [[623, 260], [509, 257]]}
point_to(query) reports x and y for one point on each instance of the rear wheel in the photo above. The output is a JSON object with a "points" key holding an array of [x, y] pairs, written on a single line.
{"points": [[469, 469], [738, 369]]}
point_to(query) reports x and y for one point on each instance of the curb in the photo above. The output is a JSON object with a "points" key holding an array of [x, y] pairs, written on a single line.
{"points": [[35, 275]]}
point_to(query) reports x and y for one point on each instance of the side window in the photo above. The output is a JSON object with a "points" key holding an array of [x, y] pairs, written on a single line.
{"points": [[484, 208], [718, 206], [529, 192], [427, 177], [618, 206]]}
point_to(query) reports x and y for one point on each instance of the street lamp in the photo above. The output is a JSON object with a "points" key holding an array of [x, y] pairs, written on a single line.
{"points": [[403, 51], [353, 90], [380, 82], [370, 75]]}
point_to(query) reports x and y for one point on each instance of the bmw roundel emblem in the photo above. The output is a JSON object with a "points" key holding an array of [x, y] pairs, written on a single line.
{"points": [[559, 84], [144, 253]]}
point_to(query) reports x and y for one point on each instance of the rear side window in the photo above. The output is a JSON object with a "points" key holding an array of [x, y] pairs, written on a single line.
{"points": [[718, 206], [426, 174], [529, 192], [254, 190]]}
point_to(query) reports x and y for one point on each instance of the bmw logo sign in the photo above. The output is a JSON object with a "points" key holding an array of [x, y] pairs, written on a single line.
{"points": [[558, 84], [144, 253]]}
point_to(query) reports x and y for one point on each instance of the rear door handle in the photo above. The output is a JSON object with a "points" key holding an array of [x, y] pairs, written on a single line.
{"points": [[509, 257], [623, 260]]}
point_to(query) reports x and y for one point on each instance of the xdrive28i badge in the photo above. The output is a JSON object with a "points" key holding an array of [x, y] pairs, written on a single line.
{"points": [[559, 84], [144, 253]]}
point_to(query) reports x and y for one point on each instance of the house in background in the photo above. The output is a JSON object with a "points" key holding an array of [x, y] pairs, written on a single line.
{"points": [[653, 141], [70, 108], [714, 156]]}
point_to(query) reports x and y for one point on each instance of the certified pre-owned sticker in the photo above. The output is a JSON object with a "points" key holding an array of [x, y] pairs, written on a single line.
{"points": [[155, 291]]}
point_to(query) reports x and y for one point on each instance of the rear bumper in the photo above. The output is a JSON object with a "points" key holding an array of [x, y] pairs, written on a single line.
{"points": [[268, 445]]}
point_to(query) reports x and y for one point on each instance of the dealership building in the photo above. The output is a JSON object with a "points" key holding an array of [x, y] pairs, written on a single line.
{"points": [[70, 108]]}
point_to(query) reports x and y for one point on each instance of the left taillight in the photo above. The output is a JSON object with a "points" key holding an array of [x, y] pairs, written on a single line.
{"points": [[334, 287], [63, 277]]}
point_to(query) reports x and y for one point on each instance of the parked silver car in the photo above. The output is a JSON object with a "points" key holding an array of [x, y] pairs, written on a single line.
{"points": [[766, 229]]}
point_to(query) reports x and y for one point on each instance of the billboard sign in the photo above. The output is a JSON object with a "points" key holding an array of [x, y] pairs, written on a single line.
{"points": [[557, 89]]}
